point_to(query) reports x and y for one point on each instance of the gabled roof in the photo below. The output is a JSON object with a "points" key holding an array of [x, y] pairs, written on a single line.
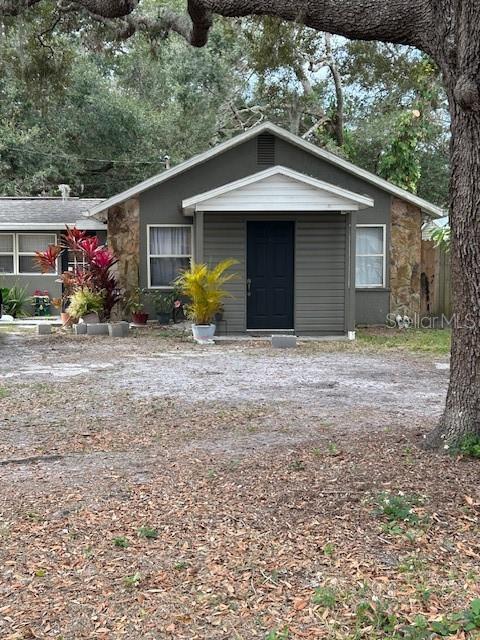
{"points": [[268, 127], [277, 189], [46, 213]]}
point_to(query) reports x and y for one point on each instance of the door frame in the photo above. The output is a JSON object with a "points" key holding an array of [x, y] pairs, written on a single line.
{"points": [[267, 219]]}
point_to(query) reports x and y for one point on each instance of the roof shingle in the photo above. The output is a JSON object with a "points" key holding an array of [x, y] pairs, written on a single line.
{"points": [[44, 210]]}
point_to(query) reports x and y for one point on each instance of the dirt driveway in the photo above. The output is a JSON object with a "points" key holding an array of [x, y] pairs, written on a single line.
{"points": [[242, 462], [85, 388]]}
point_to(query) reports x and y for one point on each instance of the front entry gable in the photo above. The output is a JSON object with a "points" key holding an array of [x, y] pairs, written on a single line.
{"points": [[277, 189]]}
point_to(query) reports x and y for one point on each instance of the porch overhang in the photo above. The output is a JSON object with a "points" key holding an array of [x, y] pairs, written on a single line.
{"points": [[277, 189]]}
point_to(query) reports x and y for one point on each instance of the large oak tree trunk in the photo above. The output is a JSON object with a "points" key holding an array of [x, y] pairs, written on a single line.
{"points": [[462, 411]]}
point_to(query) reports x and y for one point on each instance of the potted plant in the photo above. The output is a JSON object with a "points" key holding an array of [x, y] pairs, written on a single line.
{"points": [[204, 288], [134, 306], [41, 303], [86, 305], [164, 306]]}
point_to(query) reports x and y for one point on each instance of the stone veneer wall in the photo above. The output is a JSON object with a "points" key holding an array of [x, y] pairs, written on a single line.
{"points": [[124, 239], [405, 258]]}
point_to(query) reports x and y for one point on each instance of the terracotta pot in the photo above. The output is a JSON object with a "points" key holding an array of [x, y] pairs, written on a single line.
{"points": [[66, 319], [139, 317]]}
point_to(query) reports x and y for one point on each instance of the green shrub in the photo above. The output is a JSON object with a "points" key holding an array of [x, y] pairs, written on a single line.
{"points": [[469, 446], [84, 301], [15, 300]]}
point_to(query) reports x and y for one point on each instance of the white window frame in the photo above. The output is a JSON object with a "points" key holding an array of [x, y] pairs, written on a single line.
{"points": [[374, 255], [150, 256], [3, 253], [82, 263], [19, 253]]}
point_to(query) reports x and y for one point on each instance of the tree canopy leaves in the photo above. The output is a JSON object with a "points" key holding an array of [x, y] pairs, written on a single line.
{"points": [[80, 106]]}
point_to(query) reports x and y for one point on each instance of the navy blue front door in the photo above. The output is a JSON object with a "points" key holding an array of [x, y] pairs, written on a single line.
{"points": [[270, 260]]}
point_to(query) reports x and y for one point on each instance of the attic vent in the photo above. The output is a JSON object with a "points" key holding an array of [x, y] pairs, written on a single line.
{"points": [[266, 149]]}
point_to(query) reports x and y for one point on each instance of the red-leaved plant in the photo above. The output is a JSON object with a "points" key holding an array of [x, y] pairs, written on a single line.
{"points": [[93, 267]]}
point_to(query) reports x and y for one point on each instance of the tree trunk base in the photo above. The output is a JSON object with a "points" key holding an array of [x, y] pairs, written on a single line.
{"points": [[451, 430]]}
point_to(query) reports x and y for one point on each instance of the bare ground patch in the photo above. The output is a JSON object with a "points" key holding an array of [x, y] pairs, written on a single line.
{"points": [[255, 475]]}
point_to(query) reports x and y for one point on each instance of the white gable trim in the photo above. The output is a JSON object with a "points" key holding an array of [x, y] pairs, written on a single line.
{"points": [[268, 127], [277, 189]]}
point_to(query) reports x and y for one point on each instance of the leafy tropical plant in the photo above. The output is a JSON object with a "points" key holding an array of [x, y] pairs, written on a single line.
{"points": [[134, 300], [15, 299], [84, 301], [204, 288], [93, 268], [164, 302]]}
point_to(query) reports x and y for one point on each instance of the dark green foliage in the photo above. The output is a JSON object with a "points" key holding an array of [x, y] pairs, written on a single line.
{"points": [[79, 108], [15, 301], [469, 446], [397, 508], [148, 532]]}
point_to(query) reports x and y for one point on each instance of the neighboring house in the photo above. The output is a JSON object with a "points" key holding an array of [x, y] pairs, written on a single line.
{"points": [[322, 245], [31, 224]]}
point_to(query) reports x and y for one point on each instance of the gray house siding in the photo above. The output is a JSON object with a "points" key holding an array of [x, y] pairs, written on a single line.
{"points": [[320, 283], [31, 283], [320, 255], [225, 237], [162, 205]]}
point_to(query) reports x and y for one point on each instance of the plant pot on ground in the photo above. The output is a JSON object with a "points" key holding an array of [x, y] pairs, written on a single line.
{"points": [[139, 317], [86, 305], [165, 304], [134, 305], [66, 319], [204, 286]]}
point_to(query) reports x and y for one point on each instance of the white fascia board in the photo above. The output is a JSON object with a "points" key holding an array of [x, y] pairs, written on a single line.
{"points": [[87, 224], [354, 201], [268, 127]]}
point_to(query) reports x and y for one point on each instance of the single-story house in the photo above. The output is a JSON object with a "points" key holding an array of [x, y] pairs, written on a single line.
{"points": [[31, 224], [321, 244]]}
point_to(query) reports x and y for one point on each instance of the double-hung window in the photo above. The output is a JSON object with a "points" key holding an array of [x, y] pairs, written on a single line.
{"points": [[7, 253], [371, 264], [169, 252], [76, 261], [27, 245]]}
